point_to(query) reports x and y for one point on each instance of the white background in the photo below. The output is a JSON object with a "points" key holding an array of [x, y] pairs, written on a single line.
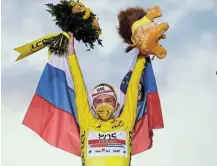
{"points": [[186, 80]]}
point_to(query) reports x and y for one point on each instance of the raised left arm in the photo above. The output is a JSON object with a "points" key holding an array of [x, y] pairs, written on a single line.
{"points": [[130, 106]]}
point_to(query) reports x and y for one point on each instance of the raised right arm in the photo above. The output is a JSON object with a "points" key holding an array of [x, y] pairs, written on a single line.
{"points": [[81, 95]]}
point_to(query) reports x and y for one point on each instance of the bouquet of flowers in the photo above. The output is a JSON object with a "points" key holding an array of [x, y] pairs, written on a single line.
{"points": [[73, 17], [70, 16]]}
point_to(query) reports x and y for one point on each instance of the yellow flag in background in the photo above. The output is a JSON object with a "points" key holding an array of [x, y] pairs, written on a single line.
{"points": [[33, 46]]}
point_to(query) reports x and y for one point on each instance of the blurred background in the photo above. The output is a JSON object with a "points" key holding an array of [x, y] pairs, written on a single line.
{"points": [[187, 80]]}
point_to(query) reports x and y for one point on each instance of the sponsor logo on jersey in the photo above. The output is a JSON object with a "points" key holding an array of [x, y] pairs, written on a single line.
{"points": [[107, 144]]}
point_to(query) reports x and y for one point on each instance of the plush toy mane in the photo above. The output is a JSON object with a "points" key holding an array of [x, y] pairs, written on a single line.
{"points": [[126, 18]]}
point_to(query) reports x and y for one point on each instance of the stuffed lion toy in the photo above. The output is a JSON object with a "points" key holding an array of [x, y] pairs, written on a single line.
{"points": [[137, 28]]}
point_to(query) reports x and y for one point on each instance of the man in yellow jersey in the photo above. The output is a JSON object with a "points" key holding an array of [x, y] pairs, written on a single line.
{"points": [[105, 140]]}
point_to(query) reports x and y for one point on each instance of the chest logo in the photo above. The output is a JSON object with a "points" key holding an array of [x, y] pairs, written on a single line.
{"points": [[107, 144], [107, 136]]}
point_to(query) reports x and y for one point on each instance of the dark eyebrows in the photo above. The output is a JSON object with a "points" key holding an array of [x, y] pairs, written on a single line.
{"points": [[98, 100], [110, 99]]}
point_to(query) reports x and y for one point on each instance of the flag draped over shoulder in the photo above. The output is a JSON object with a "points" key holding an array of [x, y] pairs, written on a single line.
{"points": [[51, 113], [149, 114]]}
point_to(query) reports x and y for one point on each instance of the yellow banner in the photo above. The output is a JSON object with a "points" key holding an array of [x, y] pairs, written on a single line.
{"points": [[33, 46]]}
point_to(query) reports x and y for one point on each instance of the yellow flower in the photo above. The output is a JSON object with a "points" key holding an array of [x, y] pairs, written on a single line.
{"points": [[78, 7], [95, 24], [87, 13], [98, 32], [72, 2], [80, 4]]}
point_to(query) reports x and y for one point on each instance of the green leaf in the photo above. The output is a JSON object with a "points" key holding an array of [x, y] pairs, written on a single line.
{"points": [[50, 5], [73, 22]]}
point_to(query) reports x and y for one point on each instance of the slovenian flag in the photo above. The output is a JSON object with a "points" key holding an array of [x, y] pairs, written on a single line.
{"points": [[52, 114], [149, 114]]}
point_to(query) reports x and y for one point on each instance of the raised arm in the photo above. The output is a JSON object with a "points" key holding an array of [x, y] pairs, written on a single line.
{"points": [[131, 100], [81, 95]]}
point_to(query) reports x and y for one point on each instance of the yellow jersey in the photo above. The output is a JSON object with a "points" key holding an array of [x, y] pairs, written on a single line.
{"points": [[106, 143]]}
